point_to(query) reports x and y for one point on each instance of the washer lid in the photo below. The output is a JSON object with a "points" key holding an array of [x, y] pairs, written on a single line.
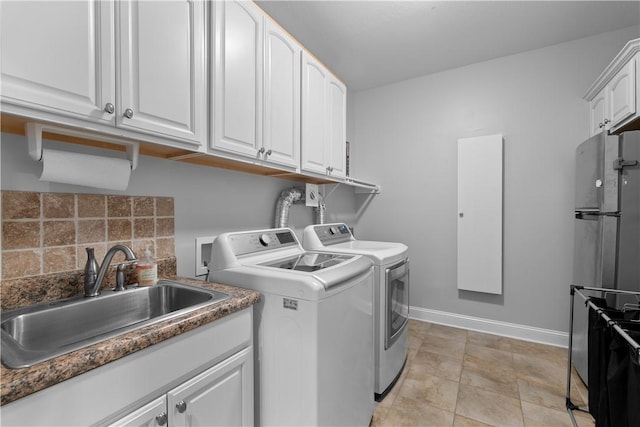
{"points": [[309, 261], [380, 252], [338, 238]]}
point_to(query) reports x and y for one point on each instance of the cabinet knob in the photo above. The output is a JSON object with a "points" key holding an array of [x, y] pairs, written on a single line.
{"points": [[181, 406], [128, 113], [261, 150], [601, 125], [162, 418], [109, 108], [268, 153], [606, 121]]}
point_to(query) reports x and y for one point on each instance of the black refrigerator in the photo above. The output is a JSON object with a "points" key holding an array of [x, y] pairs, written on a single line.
{"points": [[607, 225]]}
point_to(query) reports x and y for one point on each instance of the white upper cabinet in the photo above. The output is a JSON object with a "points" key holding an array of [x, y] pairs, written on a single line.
{"points": [[281, 137], [314, 117], [621, 94], [323, 119], [598, 113], [613, 98], [162, 68], [256, 93], [337, 127], [58, 56], [237, 53]]}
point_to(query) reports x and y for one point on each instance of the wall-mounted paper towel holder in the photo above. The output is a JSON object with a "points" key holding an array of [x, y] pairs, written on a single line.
{"points": [[34, 139]]}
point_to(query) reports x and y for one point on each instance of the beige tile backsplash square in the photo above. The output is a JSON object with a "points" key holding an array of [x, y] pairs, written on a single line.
{"points": [[49, 232]]}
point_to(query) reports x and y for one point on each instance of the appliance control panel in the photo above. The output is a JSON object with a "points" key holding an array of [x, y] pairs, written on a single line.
{"points": [[258, 241], [331, 234]]}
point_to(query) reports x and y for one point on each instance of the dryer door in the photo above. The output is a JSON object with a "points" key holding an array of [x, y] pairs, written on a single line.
{"points": [[397, 304]]}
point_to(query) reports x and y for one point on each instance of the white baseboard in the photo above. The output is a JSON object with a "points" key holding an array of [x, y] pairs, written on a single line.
{"points": [[505, 329]]}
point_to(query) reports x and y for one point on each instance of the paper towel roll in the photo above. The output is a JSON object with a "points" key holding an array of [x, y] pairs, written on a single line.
{"points": [[84, 169]]}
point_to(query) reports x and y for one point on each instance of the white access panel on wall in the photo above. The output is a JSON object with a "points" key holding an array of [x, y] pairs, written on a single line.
{"points": [[480, 214]]}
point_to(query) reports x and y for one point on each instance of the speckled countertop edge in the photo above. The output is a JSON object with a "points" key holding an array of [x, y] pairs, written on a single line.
{"points": [[18, 383]]}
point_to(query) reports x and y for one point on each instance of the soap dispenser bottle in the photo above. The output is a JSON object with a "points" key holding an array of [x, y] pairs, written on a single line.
{"points": [[147, 270]]}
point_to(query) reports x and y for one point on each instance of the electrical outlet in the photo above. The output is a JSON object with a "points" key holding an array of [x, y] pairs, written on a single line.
{"points": [[203, 254]]}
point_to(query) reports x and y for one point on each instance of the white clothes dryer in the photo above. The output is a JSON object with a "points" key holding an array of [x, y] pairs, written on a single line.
{"points": [[391, 295], [313, 329]]}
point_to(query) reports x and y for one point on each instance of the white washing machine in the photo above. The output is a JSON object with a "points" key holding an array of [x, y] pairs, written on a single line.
{"points": [[391, 295], [313, 327]]}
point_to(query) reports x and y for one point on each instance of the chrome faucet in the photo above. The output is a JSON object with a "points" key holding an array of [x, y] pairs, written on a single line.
{"points": [[93, 275]]}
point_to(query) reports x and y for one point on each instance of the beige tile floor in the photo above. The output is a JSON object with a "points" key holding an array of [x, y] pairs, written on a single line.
{"points": [[455, 377]]}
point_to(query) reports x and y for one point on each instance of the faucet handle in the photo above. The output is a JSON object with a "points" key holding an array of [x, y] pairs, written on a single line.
{"points": [[90, 270], [120, 277]]}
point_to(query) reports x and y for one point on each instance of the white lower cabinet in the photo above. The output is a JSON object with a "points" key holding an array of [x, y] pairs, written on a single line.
{"points": [[220, 396], [203, 377], [151, 414]]}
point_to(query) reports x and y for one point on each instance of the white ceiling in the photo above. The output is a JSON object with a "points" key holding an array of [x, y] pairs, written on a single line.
{"points": [[372, 43]]}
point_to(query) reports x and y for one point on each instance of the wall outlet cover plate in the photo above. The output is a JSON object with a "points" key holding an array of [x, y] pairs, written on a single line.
{"points": [[311, 196]]}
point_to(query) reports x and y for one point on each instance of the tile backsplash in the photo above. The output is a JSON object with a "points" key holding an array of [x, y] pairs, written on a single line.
{"points": [[45, 233]]}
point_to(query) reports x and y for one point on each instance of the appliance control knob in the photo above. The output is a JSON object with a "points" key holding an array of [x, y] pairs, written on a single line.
{"points": [[264, 240], [333, 230]]}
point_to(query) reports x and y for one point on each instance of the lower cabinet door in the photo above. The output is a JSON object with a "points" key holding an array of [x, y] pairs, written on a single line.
{"points": [[150, 415], [220, 396]]}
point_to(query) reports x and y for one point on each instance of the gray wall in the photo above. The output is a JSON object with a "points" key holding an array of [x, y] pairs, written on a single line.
{"points": [[405, 140], [208, 201]]}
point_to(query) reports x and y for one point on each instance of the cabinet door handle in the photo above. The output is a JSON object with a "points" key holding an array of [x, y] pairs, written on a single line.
{"points": [[162, 418], [109, 108], [128, 113], [181, 406]]}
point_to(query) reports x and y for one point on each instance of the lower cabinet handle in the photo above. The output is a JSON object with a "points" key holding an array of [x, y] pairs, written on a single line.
{"points": [[181, 406], [162, 418]]}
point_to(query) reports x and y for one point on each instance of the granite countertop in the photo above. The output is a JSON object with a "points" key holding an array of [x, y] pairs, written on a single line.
{"points": [[18, 383]]}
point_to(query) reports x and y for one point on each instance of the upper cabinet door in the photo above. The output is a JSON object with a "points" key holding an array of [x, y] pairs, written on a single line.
{"points": [[314, 115], [337, 127], [324, 106], [281, 137], [237, 94], [162, 68], [621, 93], [58, 56], [598, 112]]}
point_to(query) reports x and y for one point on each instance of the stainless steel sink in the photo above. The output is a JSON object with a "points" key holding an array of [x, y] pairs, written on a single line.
{"points": [[34, 334]]}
